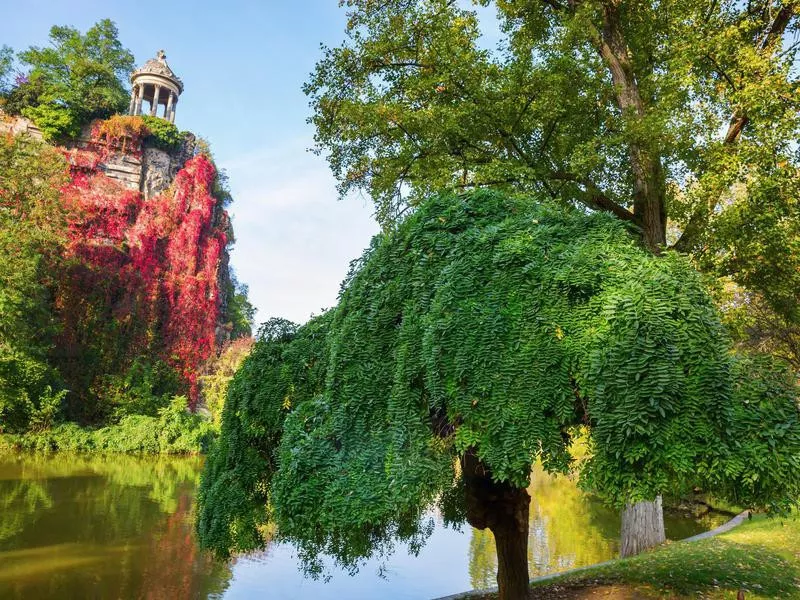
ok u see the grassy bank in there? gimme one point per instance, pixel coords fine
(173, 431)
(760, 557)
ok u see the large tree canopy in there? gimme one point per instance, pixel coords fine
(678, 117)
(486, 329)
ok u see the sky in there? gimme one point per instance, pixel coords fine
(243, 65)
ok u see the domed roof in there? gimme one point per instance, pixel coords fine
(158, 66)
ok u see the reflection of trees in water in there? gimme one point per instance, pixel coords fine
(482, 559)
(567, 530)
(20, 502)
(121, 526)
(178, 569)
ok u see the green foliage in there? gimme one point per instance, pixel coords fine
(44, 416)
(219, 373)
(79, 77)
(32, 230)
(173, 431)
(222, 189)
(411, 101)
(143, 389)
(690, 109)
(756, 327)
(23, 385)
(756, 241)
(163, 134)
(235, 474)
(240, 313)
(54, 120)
(6, 66)
(21, 96)
(496, 325)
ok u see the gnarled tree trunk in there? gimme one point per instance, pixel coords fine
(504, 509)
(642, 527)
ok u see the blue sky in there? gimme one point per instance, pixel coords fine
(243, 65)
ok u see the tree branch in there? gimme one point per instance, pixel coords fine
(595, 198)
(771, 35)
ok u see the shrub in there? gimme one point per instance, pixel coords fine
(214, 385)
(162, 134)
(120, 131)
(173, 431)
(143, 389)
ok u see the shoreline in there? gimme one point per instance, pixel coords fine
(724, 528)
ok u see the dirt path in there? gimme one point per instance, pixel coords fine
(583, 591)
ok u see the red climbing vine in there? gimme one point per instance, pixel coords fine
(142, 276)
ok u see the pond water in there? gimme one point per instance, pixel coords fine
(121, 527)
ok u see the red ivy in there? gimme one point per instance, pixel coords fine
(156, 260)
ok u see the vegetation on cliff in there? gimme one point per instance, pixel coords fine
(33, 231)
(111, 305)
(79, 77)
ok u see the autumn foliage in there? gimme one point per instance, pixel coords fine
(121, 131)
(143, 275)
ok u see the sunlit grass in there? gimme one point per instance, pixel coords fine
(761, 557)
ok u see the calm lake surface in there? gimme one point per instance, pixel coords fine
(121, 527)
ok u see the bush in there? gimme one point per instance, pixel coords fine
(55, 121)
(214, 386)
(163, 134)
(143, 389)
(173, 431)
(26, 398)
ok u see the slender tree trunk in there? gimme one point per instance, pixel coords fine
(642, 527)
(642, 523)
(504, 509)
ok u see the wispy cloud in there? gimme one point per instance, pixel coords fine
(294, 239)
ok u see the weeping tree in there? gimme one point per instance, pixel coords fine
(680, 118)
(475, 339)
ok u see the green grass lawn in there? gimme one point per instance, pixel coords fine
(761, 557)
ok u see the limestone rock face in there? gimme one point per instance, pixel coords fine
(125, 168)
(160, 167)
(158, 171)
(19, 125)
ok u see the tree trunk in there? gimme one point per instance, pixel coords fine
(504, 509)
(649, 201)
(642, 527)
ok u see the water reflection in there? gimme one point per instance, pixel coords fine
(117, 527)
(568, 529)
(120, 527)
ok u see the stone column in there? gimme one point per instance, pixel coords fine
(139, 97)
(132, 105)
(172, 112)
(156, 96)
(168, 109)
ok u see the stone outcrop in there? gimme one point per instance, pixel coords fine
(19, 125)
(148, 170)
(125, 168)
(158, 167)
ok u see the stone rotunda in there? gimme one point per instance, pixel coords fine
(156, 84)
